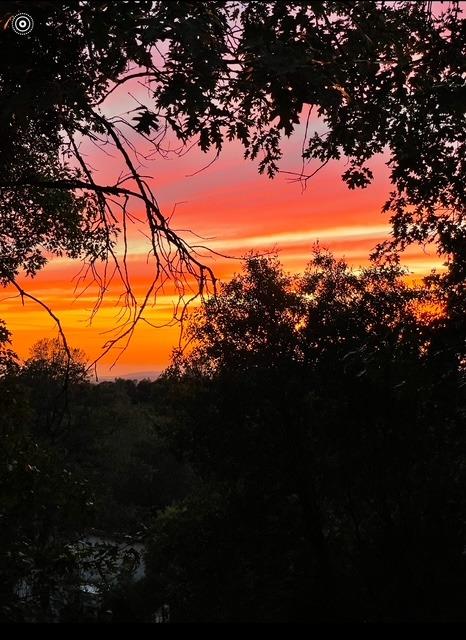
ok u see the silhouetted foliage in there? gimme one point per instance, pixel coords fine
(381, 77)
(81, 468)
(328, 437)
(303, 458)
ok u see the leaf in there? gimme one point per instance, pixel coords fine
(146, 121)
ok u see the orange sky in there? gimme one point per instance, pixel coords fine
(237, 210)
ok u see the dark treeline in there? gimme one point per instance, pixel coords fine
(303, 460)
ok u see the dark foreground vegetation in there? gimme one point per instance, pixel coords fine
(304, 458)
(304, 461)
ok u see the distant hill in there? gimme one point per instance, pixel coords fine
(137, 375)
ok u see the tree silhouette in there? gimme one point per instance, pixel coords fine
(321, 415)
(380, 76)
(8, 359)
(324, 423)
(48, 359)
(51, 374)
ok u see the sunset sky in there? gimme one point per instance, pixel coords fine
(236, 209)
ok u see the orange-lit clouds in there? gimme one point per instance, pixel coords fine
(236, 210)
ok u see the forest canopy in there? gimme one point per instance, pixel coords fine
(382, 77)
(302, 457)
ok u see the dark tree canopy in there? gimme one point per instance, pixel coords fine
(382, 77)
(48, 359)
(303, 459)
(326, 425)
